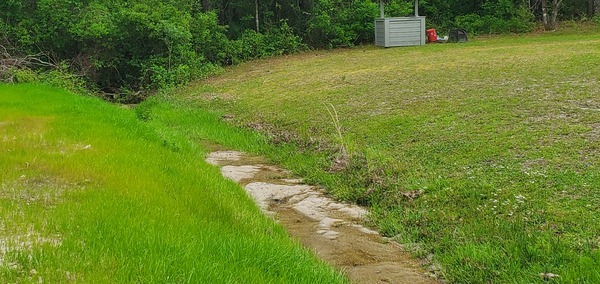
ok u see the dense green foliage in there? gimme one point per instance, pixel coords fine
(132, 44)
(91, 194)
(120, 46)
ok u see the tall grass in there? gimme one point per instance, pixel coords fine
(92, 194)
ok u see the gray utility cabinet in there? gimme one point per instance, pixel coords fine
(401, 31)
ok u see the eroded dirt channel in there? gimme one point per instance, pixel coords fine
(333, 230)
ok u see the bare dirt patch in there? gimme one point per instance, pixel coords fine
(333, 230)
(40, 190)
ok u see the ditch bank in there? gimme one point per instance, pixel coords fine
(333, 230)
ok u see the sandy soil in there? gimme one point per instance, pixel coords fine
(333, 230)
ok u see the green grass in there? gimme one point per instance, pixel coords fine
(89, 193)
(499, 135)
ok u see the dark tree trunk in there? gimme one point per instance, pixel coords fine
(256, 16)
(591, 11)
(550, 20)
(545, 13)
(206, 5)
(555, 7)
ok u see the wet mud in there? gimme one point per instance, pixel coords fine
(333, 230)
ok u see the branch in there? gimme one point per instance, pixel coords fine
(9, 63)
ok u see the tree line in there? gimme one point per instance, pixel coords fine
(120, 45)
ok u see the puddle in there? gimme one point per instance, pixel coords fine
(333, 230)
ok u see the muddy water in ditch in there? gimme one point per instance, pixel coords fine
(331, 229)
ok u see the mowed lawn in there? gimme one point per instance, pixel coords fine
(483, 156)
(91, 194)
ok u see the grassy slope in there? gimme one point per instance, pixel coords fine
(91, 194)
(500, 134)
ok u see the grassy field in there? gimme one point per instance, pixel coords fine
(89, 193)
(484, 156)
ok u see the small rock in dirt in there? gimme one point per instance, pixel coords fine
(369, 232)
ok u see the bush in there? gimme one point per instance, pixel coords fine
(397, 8)
(337, 23)
(24, 76)
(277, 41)
(62, 78)
(501, 17)
(471, 22)
(282, 40)
(18, 75)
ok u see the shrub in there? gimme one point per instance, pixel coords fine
(471, 22)
(277, 41)
(282, 40)
(337, 23)
(501, 17)
(25, 75)
(61, 77)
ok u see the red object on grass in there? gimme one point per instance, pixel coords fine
(431, 35)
